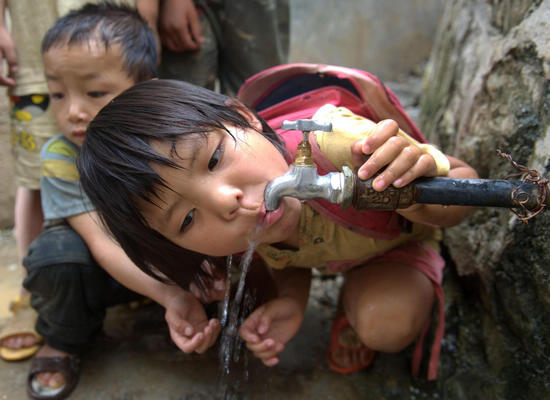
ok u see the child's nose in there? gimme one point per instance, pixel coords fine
(226, 200)
(76, 112)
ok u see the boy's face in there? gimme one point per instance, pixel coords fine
(217, 198)
(81, 80)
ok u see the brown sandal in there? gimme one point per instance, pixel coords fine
(68, 366)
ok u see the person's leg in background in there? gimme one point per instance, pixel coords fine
(199, 67)
(32, 124)
(254, 37)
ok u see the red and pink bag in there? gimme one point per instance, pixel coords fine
(296, 91)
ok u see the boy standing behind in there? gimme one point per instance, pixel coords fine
(90, 56)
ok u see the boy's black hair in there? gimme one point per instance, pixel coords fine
(109, 23)
(116, 165)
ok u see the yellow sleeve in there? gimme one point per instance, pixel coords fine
(348, 127)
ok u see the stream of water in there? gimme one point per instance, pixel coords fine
(233, 371)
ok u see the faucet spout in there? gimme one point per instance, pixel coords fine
(305, 183)
(302, 181)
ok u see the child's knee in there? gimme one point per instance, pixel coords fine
(386, 332)
(56, 260)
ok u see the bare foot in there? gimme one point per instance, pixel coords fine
(53, 380)
(19, 341)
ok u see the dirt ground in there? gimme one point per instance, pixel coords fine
(134, 359)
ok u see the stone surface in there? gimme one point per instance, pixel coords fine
(487, 88)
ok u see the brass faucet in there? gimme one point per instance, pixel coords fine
(302, 180)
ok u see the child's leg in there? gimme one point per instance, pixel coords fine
(28, 225)
(32, 124)
(387, 304)
(70, 293)
(28, 218)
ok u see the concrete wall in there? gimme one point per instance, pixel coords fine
(387, 38)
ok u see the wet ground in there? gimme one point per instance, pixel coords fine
(133, 359)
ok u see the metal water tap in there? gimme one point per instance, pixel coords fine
(530, 196)
(302, 180)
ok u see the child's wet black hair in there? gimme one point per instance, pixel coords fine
(116, 165)
(109, 23)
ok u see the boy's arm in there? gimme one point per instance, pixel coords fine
(189, 326)
(7, 50)
(110, 256)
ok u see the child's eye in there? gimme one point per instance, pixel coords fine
(96, 94)
(215, 159)
(56, 96)
(187, 221)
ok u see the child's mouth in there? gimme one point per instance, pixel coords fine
(270, 217)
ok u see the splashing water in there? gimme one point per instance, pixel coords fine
(233, 315)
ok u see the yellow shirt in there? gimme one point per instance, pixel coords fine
(322, 241)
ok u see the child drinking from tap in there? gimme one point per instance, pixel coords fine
(178, 172)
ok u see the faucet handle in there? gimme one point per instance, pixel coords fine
(307, 125)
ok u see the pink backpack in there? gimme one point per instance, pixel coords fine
(294, 91)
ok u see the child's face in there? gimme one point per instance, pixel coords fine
(81, 80)
(217, 200)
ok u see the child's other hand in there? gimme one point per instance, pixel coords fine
(189, 326)
(403, 160)
(270, 327)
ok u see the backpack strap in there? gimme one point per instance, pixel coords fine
(366, 94)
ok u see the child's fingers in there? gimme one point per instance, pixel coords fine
(382, 132)
(210, 335)
(266, 349)
(358, 158)
(261, 347)
(264, 324)
(204, 344)
(249, 329)
(216, 328)
(403, 162)
(180, 326)
(249, 335)
(270, 353)
(271, 362)
(424, 166)
(383, 156)
(189, 345)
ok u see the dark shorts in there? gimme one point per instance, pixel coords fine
(69, 290)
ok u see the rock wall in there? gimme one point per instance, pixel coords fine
(487, 87)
